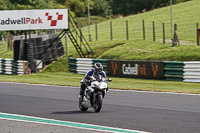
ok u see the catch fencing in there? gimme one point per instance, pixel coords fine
(168, 70)
(13, 67)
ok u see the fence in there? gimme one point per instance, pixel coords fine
(13, 67)
(146, 30)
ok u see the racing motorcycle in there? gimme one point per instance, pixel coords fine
(93, 95)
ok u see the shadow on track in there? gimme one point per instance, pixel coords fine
(72, 112)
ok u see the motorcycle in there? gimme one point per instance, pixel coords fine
(93, 94)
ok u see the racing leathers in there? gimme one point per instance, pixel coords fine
(98, 76)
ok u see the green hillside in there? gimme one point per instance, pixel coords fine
(185, 15)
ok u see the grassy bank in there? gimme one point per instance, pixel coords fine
(141, 50)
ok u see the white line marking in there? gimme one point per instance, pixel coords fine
(65, 123)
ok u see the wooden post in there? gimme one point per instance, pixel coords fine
(176, 38)
(197, 33)
(143, 29)
(127, 37)
(96, 31)
(24, 67)
(111, 35)
(154, 36)
(175, 27)
(163, 33)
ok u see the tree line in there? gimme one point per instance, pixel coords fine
(103, 8)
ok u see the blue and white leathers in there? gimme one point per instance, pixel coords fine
(98, 76)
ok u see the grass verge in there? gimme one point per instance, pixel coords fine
(72, 79)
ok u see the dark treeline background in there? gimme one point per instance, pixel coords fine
(103, 8)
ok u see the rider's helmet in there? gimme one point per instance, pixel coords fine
(98, 67)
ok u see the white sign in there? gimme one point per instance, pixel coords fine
(33, 19)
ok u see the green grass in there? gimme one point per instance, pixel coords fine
(71, 79)
(4, 53)
(141, 50)
(93, 19)
(185, 15)
(61, 65)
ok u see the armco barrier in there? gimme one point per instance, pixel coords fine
(13, 67)
(83, 65)
(72, 64)
(173, 70)
(191, 71)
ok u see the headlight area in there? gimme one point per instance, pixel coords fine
(96, 86)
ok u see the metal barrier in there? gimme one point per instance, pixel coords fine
(173, 70)
(13, 67)
(72, 64)
(192, 71)
(83, 65)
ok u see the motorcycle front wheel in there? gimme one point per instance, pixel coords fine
(98, 103)
(81, 107)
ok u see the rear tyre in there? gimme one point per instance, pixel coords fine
(81, 107)
(98, 103)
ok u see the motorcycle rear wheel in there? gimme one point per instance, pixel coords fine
(98, 103)
(81, 107)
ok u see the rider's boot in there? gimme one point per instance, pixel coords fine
(82, 90)
(107, 89)
(81, 94)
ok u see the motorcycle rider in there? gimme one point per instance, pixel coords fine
(97, 73)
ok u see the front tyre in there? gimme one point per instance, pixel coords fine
(98, 103)
(81, 107)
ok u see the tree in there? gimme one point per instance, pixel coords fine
(6, 5)
(127, 7)
(101, 8)
(78, 7)
(32, 4)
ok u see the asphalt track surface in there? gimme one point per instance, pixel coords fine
(136, 110)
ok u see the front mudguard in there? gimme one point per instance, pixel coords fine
(95, 96)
